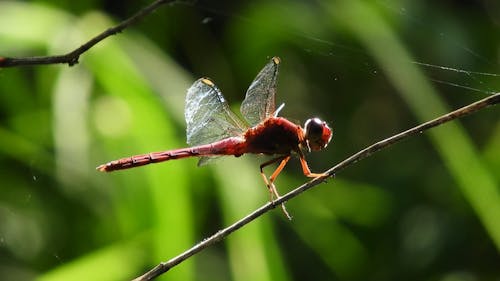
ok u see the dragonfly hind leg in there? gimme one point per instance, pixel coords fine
(270, 182)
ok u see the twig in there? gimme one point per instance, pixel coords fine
(72, 57)
(221, 234)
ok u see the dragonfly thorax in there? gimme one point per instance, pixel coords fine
(317, 134)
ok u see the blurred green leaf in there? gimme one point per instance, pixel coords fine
(452, 143)
(115, 262)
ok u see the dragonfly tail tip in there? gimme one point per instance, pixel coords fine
(101, 168)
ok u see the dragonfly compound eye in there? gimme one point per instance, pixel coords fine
(317, 134)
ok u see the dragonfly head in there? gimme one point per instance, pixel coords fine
(317, 134)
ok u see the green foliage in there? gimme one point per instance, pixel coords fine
(424, 209)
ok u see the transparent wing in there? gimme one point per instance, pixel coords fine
(208, 115)
(259, 101)
(207, 160)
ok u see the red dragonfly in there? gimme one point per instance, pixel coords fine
(213, 130)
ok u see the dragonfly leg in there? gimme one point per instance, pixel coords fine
(305, 168)
(270, 182)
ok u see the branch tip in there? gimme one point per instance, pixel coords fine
(72, 58)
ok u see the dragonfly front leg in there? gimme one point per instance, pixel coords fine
(270, 182)
(305, 168)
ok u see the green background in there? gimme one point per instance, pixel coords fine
(424, 209)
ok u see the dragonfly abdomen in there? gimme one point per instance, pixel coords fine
(229, 146)
(145, 159)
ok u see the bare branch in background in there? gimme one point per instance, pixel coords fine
(72, 57)
(376, 147)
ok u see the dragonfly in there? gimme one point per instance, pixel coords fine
(213, 130)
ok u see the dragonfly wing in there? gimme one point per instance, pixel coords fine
(259, 101)
(208, 115)
(207, 160)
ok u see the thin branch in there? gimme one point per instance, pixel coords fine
(221, 234)
(72, 57)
